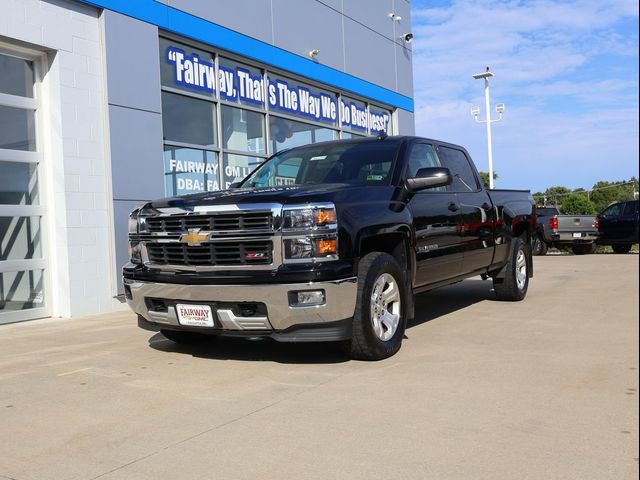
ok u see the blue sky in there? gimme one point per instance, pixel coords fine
(567, 72)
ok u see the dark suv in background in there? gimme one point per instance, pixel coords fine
(618, 226)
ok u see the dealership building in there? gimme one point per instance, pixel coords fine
(106, 104)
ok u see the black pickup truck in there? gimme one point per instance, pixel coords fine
(618, 226)
(327, 242)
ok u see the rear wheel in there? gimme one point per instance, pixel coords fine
(379, 320)
(515, 283)
(185, 338)
(621, 248)
(539, 246)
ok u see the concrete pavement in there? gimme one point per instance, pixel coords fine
(545, 388)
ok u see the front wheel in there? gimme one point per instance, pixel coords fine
(515, 283)
(379, 320)
(621, 248)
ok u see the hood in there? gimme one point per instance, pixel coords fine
(284, 195)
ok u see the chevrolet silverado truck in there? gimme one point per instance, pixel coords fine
(618, 226)
(577, 232)
(326, 242)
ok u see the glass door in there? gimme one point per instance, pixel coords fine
(22, 262)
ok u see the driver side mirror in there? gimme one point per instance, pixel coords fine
(234, 185)
(430, 177)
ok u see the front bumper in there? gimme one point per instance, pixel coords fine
(340, 300)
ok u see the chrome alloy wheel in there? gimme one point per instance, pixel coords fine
(385, 306)
(521, 270)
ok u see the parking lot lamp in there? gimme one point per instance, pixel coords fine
(476, 110)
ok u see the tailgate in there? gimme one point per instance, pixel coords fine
(576, 223)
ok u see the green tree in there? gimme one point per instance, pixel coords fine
(577, 204)
(538, 197)
(605, 193)
(555, 195)
(484, 176)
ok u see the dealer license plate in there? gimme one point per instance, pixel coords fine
(194, 315)
(577, 235)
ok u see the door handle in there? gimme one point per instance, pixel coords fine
(486, 206)
(454, 207)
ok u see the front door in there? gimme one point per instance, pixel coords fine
(436, 217)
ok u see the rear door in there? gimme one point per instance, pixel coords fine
(629, 222)
(611, 226)
(476, 213)
(436, 217)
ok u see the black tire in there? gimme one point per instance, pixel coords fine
(621, 248)
(374, 270)
(539, 247)
(186, 338)
(513, 286)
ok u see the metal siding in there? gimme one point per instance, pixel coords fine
(369, 55)
(136, 154)
(252, 17)
(406, 122)
(372, 14)
(404, 58)
(133, 71)
(335, 4)
(321, 29)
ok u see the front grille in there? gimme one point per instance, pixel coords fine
(211, 222)
(211, 254)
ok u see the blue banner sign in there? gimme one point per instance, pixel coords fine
(238, 83)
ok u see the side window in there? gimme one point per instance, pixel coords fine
(464, 179)
(630, 208)
(613, 210)
(422, 155)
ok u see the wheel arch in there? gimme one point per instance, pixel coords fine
(396, 243)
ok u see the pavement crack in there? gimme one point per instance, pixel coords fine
(217, 427)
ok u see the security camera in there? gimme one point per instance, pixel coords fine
(407, 37)
(475, 111)
(500, 108)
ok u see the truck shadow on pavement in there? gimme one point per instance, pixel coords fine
(446, 300)
(429, 306)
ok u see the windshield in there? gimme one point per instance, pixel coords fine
(546, 212)
(366, 163)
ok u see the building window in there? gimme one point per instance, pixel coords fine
(242, 130)
(188, 120)
(222, 117)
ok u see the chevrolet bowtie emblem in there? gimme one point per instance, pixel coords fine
(194, 237)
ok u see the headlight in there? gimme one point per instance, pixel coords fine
(310, 233)
(309, 217)
(312, 248)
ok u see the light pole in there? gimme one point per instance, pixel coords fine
(476, 110)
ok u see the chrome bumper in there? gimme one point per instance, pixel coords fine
(340, 301)
(569, 238)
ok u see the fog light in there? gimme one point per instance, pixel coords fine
(306, 298)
